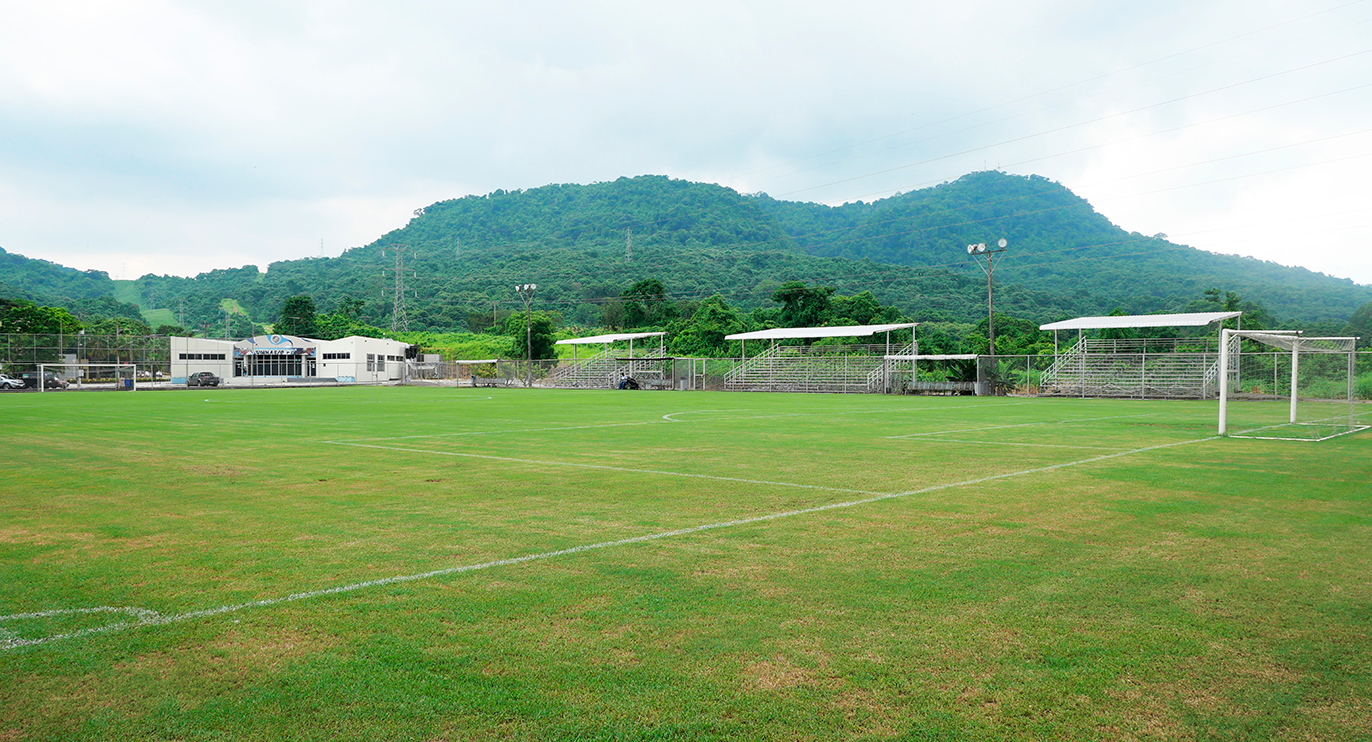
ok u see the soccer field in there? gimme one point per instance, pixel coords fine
(480, 564)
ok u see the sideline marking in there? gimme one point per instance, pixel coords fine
(154, 619)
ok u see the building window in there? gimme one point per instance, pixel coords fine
(371, 361)
(274, 365)
(381, 363)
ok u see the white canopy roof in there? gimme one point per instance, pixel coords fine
(936, 357)
(605, 339)
(1188, 319)
(849, 331)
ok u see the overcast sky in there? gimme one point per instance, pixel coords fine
(176, 138)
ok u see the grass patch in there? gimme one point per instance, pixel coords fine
(1046, 580)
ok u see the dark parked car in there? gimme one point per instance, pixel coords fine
(203, 378)
(50, 380)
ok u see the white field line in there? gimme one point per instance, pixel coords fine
(1022, 425)
(149, 618)
(672, 415)
(1033, 445)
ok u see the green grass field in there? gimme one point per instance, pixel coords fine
(664, 566)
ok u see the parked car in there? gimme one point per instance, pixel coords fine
(203, 378)
(9, 382)
(50, 380)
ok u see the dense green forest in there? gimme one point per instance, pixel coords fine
(585, 245)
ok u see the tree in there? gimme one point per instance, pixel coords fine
(170, 330)
(1360, 324)
(1255, 316)
(541, 327)
(23, 316)
(702, 334)
(645, 303)
(860, 309)
(297, 317)
(118, 326)
(350, 307)
(802, 306)
(612, 314)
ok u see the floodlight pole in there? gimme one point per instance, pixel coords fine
(526, 292)
(981, 249)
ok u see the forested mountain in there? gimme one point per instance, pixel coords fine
(49, 283)
(1058, 243)
(575, 242)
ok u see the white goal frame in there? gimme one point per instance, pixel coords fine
(81, 367)
(1294, 341)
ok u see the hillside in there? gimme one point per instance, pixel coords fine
(1059, 244)
(702, 239)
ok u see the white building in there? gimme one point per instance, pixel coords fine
(271, 359)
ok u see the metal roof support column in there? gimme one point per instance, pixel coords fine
(1081, 363)
(1295, 368)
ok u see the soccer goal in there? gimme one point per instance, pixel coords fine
(1278, 384)
(95, 376)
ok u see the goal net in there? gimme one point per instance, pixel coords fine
(94, 376)
(1281, 385)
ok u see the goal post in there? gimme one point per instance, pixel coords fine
(94, 376)
(1279, 384)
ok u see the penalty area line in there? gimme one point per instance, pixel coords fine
(150, 618)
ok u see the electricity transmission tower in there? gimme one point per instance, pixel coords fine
(628, 245)
(399, 320)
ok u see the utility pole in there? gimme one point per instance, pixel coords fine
(526, 292)
(628, 245)
(227, 316)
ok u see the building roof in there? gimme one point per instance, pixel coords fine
(1188, 319)
(606, 339)
(849, 331)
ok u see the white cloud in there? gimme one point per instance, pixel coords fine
(186, 137)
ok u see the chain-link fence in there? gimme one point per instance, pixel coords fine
(23, 353)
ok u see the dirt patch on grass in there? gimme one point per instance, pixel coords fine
(214, 470)
(1353, 716)
(194, 671)
(870, 716)
(16, 536)
(775, 675)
